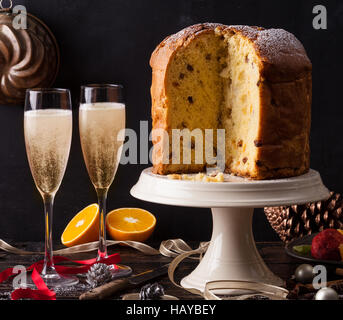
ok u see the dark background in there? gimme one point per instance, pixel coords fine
(111, 41)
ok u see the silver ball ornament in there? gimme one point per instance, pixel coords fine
(304, 273)
(326, 294)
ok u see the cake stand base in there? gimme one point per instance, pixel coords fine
(232, 253)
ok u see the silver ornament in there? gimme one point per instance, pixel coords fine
(151, 292)
(326, 294)
(304, 273)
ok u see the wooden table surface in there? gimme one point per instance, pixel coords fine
(273, 254)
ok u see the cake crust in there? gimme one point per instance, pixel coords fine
(285, 90)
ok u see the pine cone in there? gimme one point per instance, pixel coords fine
(300, 220)
(98, 274)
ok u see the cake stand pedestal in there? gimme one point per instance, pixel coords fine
(232, 253)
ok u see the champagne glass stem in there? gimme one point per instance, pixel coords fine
(102, 197)
(48, 258)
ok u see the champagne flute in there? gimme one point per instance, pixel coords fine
(48, 132)
(102, 124)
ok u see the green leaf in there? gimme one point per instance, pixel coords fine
(303, 249)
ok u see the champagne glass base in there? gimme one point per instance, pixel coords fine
(121, 271)
(53, 281)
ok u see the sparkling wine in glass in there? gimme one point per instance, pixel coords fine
(101, 122)
(48, 132)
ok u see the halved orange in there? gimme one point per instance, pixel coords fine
(130, 224)
(83, 228)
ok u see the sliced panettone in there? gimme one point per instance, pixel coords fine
(254, 83)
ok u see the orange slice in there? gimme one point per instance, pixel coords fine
(130, 224)
(83, 228)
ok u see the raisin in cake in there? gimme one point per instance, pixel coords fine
(255, 83)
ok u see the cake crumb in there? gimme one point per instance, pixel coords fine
(174, 176)
(202, 177)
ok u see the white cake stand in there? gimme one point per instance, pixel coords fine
(232, 254)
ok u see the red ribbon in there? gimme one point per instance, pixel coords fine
(43, 292)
